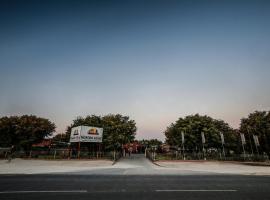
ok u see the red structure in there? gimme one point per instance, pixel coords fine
(134, 147)
(43, 143)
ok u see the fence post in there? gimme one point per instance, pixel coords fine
(145, 152)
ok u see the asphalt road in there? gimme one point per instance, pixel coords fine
(217, 187)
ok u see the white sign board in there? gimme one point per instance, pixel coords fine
(86, 134)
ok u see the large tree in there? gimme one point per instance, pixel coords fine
(151, 142)
(23, 131)
(257, 123)
(118, 129)
(192, 126)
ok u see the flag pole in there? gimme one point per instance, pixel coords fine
(243, 140)
(256, 142)
(203, 141)
(183, 144)
(222, 142)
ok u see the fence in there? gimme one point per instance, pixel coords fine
(175, 155)
(60, 154)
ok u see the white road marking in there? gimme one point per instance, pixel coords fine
(43, 191)
(196, 190)
(85, 191)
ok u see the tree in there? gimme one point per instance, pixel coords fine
(257, 123)
(192, 126)
(24, 131)
(117, 129)
(61, 138)
(151, 142)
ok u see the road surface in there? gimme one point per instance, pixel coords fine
(69, 187)
(134, 178)
(136, 164)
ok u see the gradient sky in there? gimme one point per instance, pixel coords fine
(155, 61)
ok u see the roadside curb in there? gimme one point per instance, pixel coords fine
(157, 164)
(257, 164)
(221, 162)
(154, 162)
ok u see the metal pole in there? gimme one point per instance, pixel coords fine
(154, 153)
(223, 150)
(255, 138)
(145, 151)
(257, 150)
(222, 143)
(204, 153)
(183, 144)
(250, 141)
(54, 155)
(184, 152)
(79, 149)
(244, 151)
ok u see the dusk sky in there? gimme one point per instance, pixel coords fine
(154, 61)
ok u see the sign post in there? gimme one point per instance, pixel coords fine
(203, 142)
(85, 134)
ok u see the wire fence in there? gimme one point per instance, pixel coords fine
(175, 155)
(53, 154)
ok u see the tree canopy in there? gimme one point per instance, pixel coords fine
(150, 142)
(23, 131)
(257, 123)
(193, 125)
(117, 129)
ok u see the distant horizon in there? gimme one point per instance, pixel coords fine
(154, 61)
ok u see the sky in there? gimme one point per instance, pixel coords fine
(154, 61)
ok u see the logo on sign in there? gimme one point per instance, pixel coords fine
(76, 132)
(93, 131)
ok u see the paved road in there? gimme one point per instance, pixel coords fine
(65, 187)
(137, 164)
(134, 178)
(133, 165)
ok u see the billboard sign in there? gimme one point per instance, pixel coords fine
(86, 134)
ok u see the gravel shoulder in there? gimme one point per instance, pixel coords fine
(133, 165)
(25, 166)
(216, 167)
